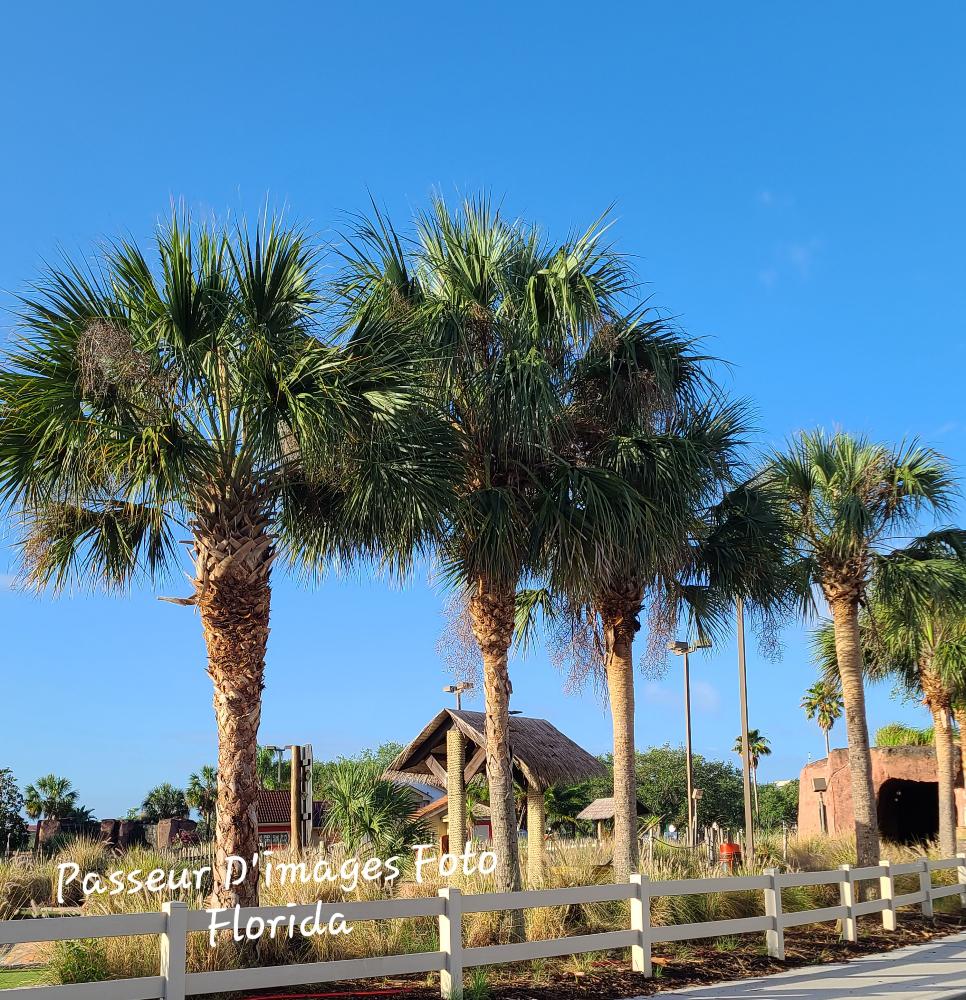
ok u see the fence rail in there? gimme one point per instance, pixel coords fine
(176, 921)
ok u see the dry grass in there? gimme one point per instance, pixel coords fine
(582, 863)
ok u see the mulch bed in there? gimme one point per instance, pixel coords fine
(693, 963)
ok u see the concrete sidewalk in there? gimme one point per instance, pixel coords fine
(935, 971)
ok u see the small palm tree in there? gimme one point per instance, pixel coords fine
(195, 396)
(368, 813)
(50, 797)
(846, 499)
(164, 802)
(202, 795)
(758, 747)
(823, 701)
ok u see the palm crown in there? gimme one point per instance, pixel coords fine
(197, 394)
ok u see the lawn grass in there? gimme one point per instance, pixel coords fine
(20, 977)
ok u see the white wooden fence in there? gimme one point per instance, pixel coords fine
(176, 921)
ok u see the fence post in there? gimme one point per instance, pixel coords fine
(961, 876)
(887, 893)
(775, 939)
(925, 886)
(850, 926)
(451, 944)
(641, 923)
(174, 949)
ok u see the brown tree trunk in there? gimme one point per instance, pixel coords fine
(938, 700)
(848, 651)
(959, 713)
(619, 619)
(492, 615)
(233, 556)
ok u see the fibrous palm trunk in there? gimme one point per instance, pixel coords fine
(848, 651)
(536, 832)
(938, 699)
(233, 558)
(619, 620)
(959, 713)
(456, 789)
(492, 609)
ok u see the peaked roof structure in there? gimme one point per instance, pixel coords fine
(542, 755)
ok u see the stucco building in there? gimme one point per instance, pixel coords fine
(906, 790)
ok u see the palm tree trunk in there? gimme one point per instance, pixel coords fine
(754, 786)
(536, 832)
(619, 619)
(959, 713)
(848, 650)
(491, 611)
(938, 699)
(828, 745)
(233, 557)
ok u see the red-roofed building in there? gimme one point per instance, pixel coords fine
(275, 817)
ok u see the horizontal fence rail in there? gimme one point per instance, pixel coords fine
(175, 921)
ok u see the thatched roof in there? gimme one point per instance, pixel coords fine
(598, 809)
(542, 755)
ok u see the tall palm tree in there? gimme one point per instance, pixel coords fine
(758, 746)
(823, 701)
(921, 641)
(195, 395)
(505, 312)
(202, 795)
(50, 797)
(847, 498)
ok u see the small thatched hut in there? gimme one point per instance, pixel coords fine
(451, 750)
(599, 811)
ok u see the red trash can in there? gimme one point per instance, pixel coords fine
(730, 856)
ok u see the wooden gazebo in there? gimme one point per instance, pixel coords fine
(451, 750)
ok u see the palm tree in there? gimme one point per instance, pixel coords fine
(195, 395)
(202, 795)
(758, 746)
(846, 499)
(921, 640)
(164, 802)
(504, 312)
(823, 701)
(369, 813)
(50, 797)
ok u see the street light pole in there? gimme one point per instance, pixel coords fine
(745, 749)
(687, 747)
(683, 648)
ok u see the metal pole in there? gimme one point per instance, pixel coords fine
(745, 754)
(687, 750)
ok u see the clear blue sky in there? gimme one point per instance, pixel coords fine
(790, 179)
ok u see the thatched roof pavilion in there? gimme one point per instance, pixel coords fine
(542, 755)
(598, 809)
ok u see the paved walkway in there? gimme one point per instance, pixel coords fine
(935, 971)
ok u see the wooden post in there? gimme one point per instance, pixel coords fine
(641, 923)
(174, 947)
(536, 831)
(774, 938)
(850, 926)
(456, 790)
(451, 944)
(925, 886)
(887, 892)
(961, 875)
(295, 795)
